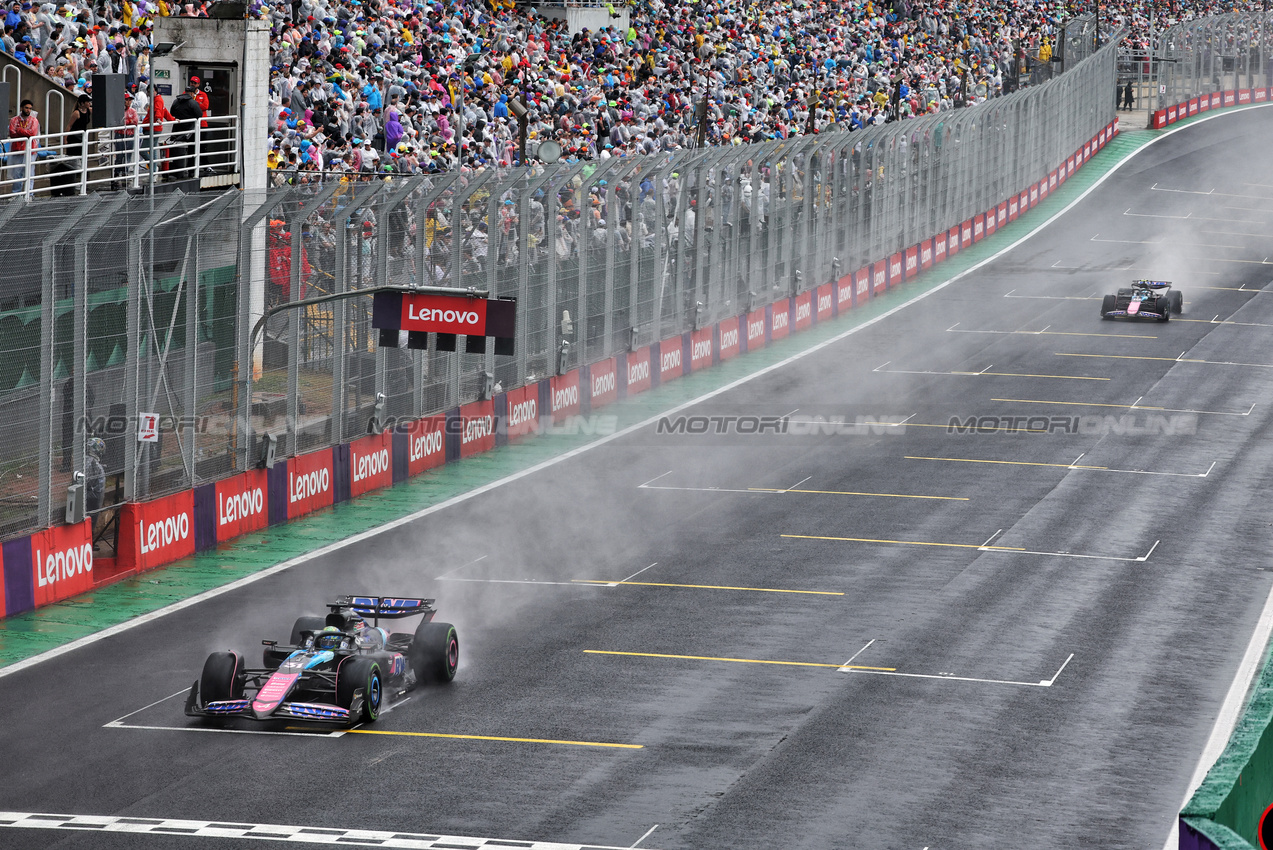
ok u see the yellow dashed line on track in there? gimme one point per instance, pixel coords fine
(707, 587)
(1005, 462)
(735, 660)
(903, 542)
(497, 738)
(852, 493)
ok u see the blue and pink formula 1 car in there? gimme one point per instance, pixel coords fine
(1144, 299)
(335, 669)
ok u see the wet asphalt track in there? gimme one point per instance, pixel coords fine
(983, 596)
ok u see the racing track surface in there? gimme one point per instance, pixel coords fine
(1037, 557)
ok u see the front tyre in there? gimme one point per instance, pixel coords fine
(222, 678)
(364, 673)
(435, 652)
(1107, 304)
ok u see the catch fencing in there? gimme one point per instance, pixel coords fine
(1213, 54)
(155, 298)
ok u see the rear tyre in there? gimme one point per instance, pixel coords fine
(222, 678)
(1177, 302)
(1107, 304)
(361, 673)
(435, 652)
(305, 624)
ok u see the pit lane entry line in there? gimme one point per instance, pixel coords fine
(269, 832)
(1011, 550)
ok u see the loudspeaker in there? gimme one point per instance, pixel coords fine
(108, 100)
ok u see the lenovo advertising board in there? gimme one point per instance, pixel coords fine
(476, 423)
(62, 562)
(155, 533)
(241, 504)
(730, 342)
(603, 383)
(370, 463)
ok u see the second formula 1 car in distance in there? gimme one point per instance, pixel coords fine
(334, 669)
(1144, 299)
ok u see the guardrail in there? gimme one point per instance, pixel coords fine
(102, 159)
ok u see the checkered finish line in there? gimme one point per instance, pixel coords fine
(271, 832)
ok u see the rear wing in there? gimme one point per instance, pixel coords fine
(383, 607)
(1152, 284)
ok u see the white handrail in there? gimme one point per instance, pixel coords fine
(105, 158)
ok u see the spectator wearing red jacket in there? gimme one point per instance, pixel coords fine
(23, 129)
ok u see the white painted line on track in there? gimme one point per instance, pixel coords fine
(648, 833)
(119, 720)
(460, 567)
(189, 602)
(946, 677)
(271, 832)
(845, 668)
(634, 575)
(515, 581)
(217, 730)
(1230, 710)
(656, 478)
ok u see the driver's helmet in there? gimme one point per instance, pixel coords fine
(330, 638)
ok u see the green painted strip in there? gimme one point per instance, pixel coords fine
(33, 632)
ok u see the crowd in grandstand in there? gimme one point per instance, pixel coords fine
(418, 85)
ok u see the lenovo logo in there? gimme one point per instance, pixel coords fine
(240, 506)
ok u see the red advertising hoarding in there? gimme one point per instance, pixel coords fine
(879, 279)
(62, 561)
(564, 396)
(370, 463)
(756, 329)
(953, 241)
(477, 426)
(521, 412)
(780, 318)
(965, 234)
(939, 247)
(445, 314)
(992, 219)
(826, 302)
(603, 383)
(242, 504)
(730, 346)
(912, 262)
(671, 359)
(638, 371)
(803, 310)
(310, 482)
(895, 270)
(426, 442)
(926, 254)
(978, 227)
(861, 286)
(152, 534)
(700, 349)
(1013, 206)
